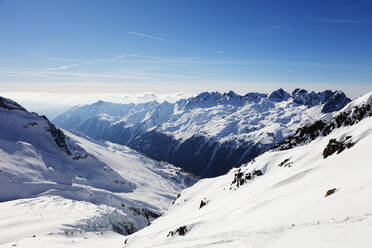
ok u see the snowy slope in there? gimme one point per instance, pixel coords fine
(317, 194)
(52, 180)
(207, 134)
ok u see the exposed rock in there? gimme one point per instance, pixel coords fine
(285, 163)
(330, 192)
(241, 178)
(254, 96)
(335, 102)
(257, 173)
(178, 196)
(58, 136)
(308, 133)
(203, 203)
(79, 156)
(300, 96)
(149, 215)
(303, 135)
(336, 146)
(10, 105)
(181, 231)
(279, 95)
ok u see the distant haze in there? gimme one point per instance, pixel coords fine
(53, 103)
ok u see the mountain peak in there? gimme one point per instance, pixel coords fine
(9, 104)
(230, 93)
(99, 102)
(336, 101)
(279, 95)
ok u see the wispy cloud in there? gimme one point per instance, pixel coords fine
(170, 41)
(122, 75)
(155, 38)
(346, 21)
(220, 52)
(271, 29)
(61, 68)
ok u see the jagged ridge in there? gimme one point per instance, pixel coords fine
(208, 133)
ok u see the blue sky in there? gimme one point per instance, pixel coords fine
(168, 46)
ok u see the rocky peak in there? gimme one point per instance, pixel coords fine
(9, 104)
(254, 96)
(231, 98)
(336, 101)
(300, 96)
(57, 134)
(333, 101)
(279, 95)
(204, 99)
(231, 94)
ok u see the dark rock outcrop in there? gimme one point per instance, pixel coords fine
(335, 101)
(337, 146)
(279, 95)
(285, 163)
(330, 192)
(58, 136)
(181, 231)
(10, 105)
(203, 203)
(240, 178)
(332, 100)
(149, 215)
(308, 133)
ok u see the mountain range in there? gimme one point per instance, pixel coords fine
(311, 190)
(207, 134)
(62, 182)
(308, 185)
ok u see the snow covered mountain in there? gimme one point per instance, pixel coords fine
(207, 134)
(312, 190)
(54, 182)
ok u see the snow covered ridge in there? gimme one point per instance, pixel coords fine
(9, 104)
(350, 115)
(75, 184)
(58, 136)
(207, 134)
(318, 194)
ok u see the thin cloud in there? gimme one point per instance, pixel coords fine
(346, 21)
(220, 52)
(61, 68)
(271, 29)
(117, 76)
(155, 38)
